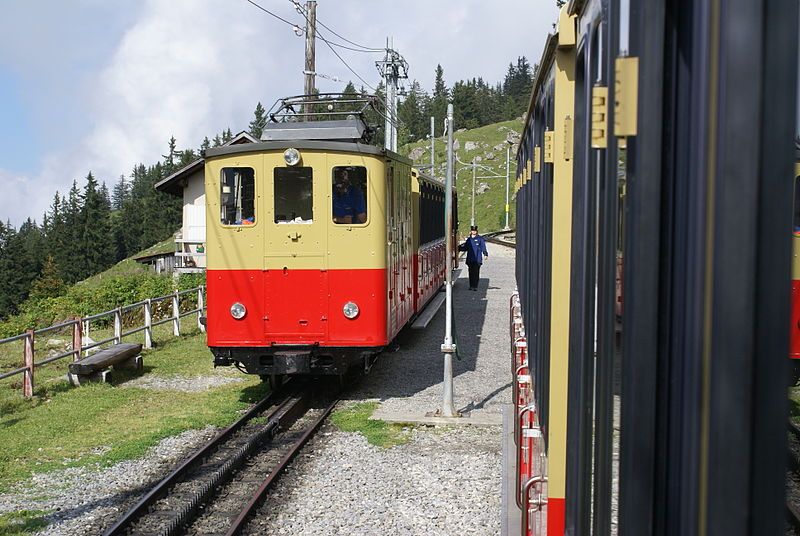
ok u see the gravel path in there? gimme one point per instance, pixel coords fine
(445, 480)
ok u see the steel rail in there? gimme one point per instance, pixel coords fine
(258, 497)
(141, 508)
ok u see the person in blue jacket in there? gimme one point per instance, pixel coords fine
(348, 201)
(475, 246)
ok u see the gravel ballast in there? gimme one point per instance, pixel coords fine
(445, 480)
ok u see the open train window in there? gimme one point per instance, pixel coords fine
(796, 224)
(349, 203)
(294, 195)
(237, 196)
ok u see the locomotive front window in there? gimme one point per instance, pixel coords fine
(237, 196)
(294, 189)
(349, 189)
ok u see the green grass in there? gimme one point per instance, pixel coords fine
(62, 426)
(356, 418)
(130, 266)
(489, 206)
(22, 522)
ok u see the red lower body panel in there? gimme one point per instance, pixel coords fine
(291, 307)
(556, 519)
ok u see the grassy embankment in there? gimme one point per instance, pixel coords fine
(490, 205)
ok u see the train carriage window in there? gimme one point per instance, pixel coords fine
(796, 225)
(237, 196)
(349, 203)
(294, 195)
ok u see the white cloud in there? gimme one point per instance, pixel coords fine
(190, 68)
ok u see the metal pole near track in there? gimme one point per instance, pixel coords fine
(508, 158)
(433, 137)
(449, 347)
(472, 216)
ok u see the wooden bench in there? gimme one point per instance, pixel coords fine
(94, 368)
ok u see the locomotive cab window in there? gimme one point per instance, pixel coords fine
(294, 195)
(237, 196)
(349, 205)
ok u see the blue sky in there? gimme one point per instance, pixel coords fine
(102, 85)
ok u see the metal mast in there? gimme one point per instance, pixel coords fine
(392, 68)
(449, 347)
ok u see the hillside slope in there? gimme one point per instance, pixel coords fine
(487, 145)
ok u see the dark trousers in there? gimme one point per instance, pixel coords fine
(474, 274)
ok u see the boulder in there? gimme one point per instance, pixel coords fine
(490, 156)
(471, 146)
(417, 153)
(456, 145)
(482, 188)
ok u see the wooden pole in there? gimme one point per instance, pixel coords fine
(77, 339)
(310, 70)
(118, 325)
(148, 324)
(176, 319)
(200, 305)
(27, 380)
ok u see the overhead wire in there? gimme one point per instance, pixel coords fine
(265, 10)
(393, 119)
(301, 10)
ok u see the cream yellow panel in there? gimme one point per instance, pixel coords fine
(234, 247)
(357, 246)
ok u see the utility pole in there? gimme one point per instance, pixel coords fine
(472, 217)
(433, 135)
(449, 347)
(508, 158)
(310, 70)
(392, 68)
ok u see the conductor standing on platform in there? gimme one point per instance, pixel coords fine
(475, 246)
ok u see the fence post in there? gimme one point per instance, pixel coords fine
(27, 379)
(176, 319)
(200, 305)
(86, 324)
(148, 324)
(118, 325)
(77, 339)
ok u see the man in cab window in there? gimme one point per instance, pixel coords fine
(348, 201)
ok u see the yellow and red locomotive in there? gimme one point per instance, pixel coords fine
(320, 246)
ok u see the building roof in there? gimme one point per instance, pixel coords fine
(175, 183)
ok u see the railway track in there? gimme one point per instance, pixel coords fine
(793, 480)
(502, 238)
(217, 489)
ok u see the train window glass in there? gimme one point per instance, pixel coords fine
(796, 227)
(349, 196)
(294, 195)
(237, 196)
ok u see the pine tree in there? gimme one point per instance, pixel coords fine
(350, 89)
(206, 144)
(13, 286)
(120, 194)
(441, 95)
(74, 267)
(49, 283)
(258, 122)
(96, 243)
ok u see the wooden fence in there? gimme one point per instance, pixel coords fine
(80, 330)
